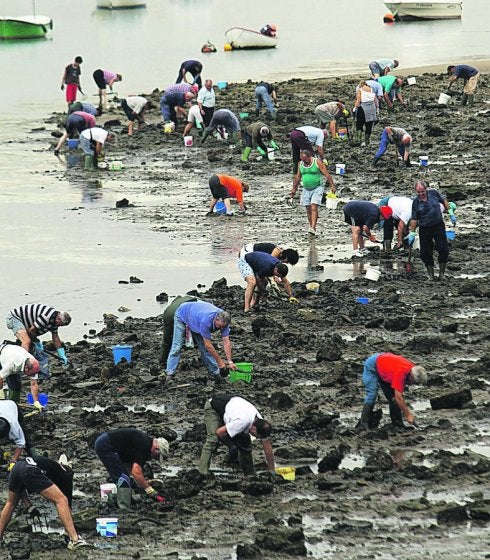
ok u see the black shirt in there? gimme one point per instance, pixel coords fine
(132, 445)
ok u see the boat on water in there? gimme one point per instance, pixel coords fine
(120, 4)
(435, 9)
(25, 27)
(242, 38)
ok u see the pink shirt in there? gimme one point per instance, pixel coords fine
(109, 76)
(89, 119)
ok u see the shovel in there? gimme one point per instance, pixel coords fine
(408, 266)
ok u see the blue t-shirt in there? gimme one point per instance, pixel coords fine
(262, 264)
(464, 71)
(428, 212)
(364, 212)
(199, 316)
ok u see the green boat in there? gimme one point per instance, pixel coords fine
(25, 27)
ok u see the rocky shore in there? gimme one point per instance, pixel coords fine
(383, 494)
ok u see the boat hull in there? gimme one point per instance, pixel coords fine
(25, 27)
(426, 10)
(120, 4)
(242, 38)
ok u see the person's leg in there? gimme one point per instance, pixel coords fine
(383, 145)
(55, 495)
(213, 422)
(209, 362)
(357, 238)
(314, 215)
(427, 249)
(249, 291)
(243, 443)
(110, 458)
(375, 69)
(442, 247)
(333, 128)
(19, 331)
(178, 340)
(395, 411)
(370, 381)
(7, 511)
(14, 383)
(268, 102)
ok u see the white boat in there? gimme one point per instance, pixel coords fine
(120, 4)
(436, 9)
(242, 38)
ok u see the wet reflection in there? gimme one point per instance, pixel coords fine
(358, 268)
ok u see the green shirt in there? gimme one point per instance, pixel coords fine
(311, 175)
(387, 83)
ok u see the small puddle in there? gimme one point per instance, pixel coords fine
(159, 408)
(420, 405)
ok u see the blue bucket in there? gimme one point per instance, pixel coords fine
(363, 300)
(220, 208)
(73, 143)
(222, 85)
(450, 234)
(121, 351)
(43, 399)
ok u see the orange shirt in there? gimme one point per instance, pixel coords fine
(394, 369)
(233, 186)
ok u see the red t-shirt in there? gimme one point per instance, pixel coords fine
(394, 369)
(233, 186)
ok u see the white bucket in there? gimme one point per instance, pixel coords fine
(340, 168)
(332, 203)
(411, 81)
(443, 99)
(270, 153)
(313, 287)
(416, 243)
(424, 161)
(106, 526)
(373, 273)
(106, 490)
(188, 141)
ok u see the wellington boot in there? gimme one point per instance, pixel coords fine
(471, 99)
(357, 137)
(246, 462)
(257, 112)
(363, 424)
(124, 498)
(464, 99)
(396, 415)
(430, 272)
(442, 270)
(14, 395)
(206, 133)
(246, 154)
(367, 139)
(235, 137)
(89, 163)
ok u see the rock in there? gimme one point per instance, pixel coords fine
(281, 401)
(135, 280)
(328, 353)
(123, 203)
(283, 541)
(399, 323)
(123, 309)
(380, 461)
(352, 526)
(332, 459)
(453, 514)
(456, 399)
(257, 488)
(248, 552)
(162, 297)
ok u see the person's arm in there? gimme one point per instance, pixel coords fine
(399, 96)
(137, 474)
(296, 182)
(228, 352)
(56, 339)
(63, 79)
(111, 83)
(287, 287)
(35, 390)
(324, 171)
(400, 401)
(223, 436)
(269, 455)
(452, 79)
(386, 96)
(358, 100)
(400, 231)
(211, 349)
(321, 153)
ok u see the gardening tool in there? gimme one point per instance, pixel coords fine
(408, 266)
(375, 241)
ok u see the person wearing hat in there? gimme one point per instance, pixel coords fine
(192, 67)
(306, 138)
(48, 478)
(402, 141)
(331, 112)
(265, 93)
(393, 373)
(15, 361)
(310, 173)
(225, 187)
(231, 420)
(30, 321)
(257, 135)
(469, 75)
(382, 67)
(224, 120)
(134, 107)
(362, 216)
(71, 79)
(123, 453)
(104, 78)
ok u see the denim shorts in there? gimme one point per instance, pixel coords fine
(245, 269)
(313, 196)
(14, 324)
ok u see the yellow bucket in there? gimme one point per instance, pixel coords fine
(288, 473)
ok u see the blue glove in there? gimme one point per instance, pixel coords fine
(453, 219)
(38, 346)
(62, 356)
(411, 237)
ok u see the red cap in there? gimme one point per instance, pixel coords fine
(386, 212)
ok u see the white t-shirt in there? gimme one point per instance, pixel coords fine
(315, 135)
(12, 360)
(8, 410)
(402, 207)
(239, 416)
(96, 133)
(136, 103)
(206, 97)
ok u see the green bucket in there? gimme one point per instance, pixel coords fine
(244, 367)
(244, 115)
(240, 376)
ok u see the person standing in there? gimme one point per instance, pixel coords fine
(30, 321)
(402, 141)
(382, 67)
(469, 75)
(427, 215)
(15, 361)
(265, 93)
(194, 68)
(104, 78)
(225, 121)
(225, 187)
(366, 111)
(362, 216)
(393, 373)
(231, 420)
(310, 172)
(168, 326)
(134, 108)
(201, 319)
(123, 453)
(257, 135)
(331, 112)
(306, 138)
(206, 100)
(71, 80)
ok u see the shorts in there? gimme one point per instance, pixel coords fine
(71, 93)
(14, 324)
(217, 189)
(245, 269)
(26, 475)
(194, 115)
(99, 78)
(312, 196)
(323, 115)
(471, 85)
(353, 221)
(248, 248)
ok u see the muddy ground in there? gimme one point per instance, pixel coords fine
(382, 494)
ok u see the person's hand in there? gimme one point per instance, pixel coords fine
(410, 418)
(38, 406)
(210, 213)
(292, 299)
(373, 239)
(62, 87)
(231, 365)
(62, 356)
(411, 237)
(453, 219)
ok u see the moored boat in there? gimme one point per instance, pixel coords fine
(25, 27)
(435, 9)
(242, 38)
(120, 4)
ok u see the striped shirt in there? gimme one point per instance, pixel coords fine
(178, 88)
(37, 315)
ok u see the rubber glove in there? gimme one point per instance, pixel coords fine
(452, 207)
(62, 355)
(11, 466)
(453, 219)
(154, 495)
(293, 300)
(2, 395)
(38, 346)
(261, 151)
(62, 87)
(411, 237)
(38, 406)
(274, 145)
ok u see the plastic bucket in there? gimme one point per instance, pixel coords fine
(363, 300)
(342, 133)
(288, 473)
(411, 81)
(121, 351)
(244, 115)
(188, 141)
(313, 287)
(73, 143)
(106, 490)
(222, 85)
(424, 161)
(239, 376)
(332, 203)
(220, 208)
(450, 234)
(270, 153)
(43, 399)
(340, 168)
(416, 243)
(115, 166)
(106, 526)
(168, 127)
(443, 99)
(244, 367)
(373, 274)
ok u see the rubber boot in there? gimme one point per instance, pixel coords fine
(375, 161)
(205, 461)
(430, 272)
(235, 138)
(363, 424)
(274, 114)
(246, 154)
(408, 163)
(396, 416)
(464, 99)
(442, 270)
(124, 498)
(257, 112)
(357, 137)
(205, 134)
(246, 462)
(14, 395)
(89, 163)
(367, 139)
(471, 99)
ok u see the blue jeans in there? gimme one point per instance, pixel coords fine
(370, 379)
(263, 96)
(110, 458)
(383, 144)
(177, 345)
(14, 324)
(86, 146)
